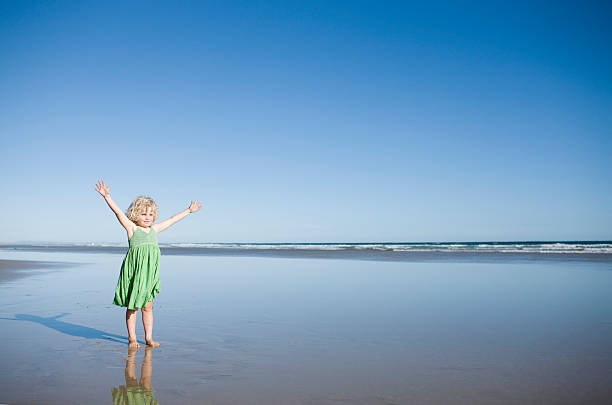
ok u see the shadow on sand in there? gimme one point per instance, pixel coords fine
(68, 328)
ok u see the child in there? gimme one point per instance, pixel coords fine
(139, 278)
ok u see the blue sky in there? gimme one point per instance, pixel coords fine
(308, 121)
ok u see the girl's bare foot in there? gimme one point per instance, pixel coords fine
(133, 344)
(152, 343)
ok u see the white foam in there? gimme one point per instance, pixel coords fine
(555, 247)
(483, 247)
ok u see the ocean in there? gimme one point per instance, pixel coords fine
(381, 251)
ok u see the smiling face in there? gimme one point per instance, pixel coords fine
(142, 211)
(146, 218)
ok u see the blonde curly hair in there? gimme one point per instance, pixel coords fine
(139, 205)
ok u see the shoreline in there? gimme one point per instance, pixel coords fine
(348, 254)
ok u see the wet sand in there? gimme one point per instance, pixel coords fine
(243, 330)
(14, 269)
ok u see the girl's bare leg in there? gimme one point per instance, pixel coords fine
(130, 321)
(130, 369)
(147, 322)
(147, 369)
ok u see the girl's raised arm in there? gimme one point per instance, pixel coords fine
(103, 189)
(193, 207)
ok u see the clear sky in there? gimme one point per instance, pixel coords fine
(308, 121)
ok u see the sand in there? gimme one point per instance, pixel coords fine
(242, 330)
(14, 269)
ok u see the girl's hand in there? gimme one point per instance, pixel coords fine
(195, 206)
(102, 188)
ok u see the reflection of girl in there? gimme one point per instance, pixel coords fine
(136, 392)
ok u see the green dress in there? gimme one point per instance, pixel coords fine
(139, 278)
(133, 396)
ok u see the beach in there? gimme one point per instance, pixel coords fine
(14, 269)
(272, 329)
(339, 202)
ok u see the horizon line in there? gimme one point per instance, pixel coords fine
(20, 243)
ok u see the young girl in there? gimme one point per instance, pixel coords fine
(139, 278)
